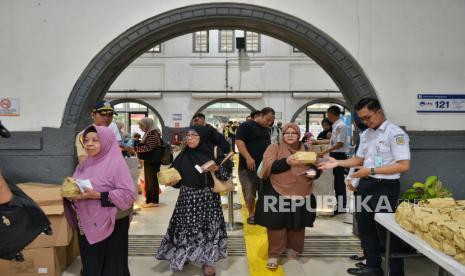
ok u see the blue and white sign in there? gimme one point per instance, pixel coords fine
(441, 103)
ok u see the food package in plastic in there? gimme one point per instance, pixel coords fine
(423, 223)
(402, 211)
(458, 214)
(418, 233)
(459, 239)
(449, 228)
(460, 257)
(70, 188)
(306, 156)
(428, 237)
(438, 202)
(169, 176)
(449, 248)
(437, 244)
(435, 230)
(407, 226)
(420, 212)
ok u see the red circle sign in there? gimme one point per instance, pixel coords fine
(5, 103)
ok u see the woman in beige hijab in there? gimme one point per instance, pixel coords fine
(286, 204)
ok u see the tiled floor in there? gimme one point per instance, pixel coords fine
(154, 221)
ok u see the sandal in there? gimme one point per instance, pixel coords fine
(272, 263)
(251, 220)
(208, 270)
(357, 257)
(291, 254)
(148, 205)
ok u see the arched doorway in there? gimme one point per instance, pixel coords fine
(220, 112)
(310, 115)
(118, 54)
(126, 110)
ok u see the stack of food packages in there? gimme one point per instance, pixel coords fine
(439, 221)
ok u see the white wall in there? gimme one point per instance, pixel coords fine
(275, 68)
(182, 103)
(405, 47)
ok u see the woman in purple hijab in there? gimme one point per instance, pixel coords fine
(102, 213)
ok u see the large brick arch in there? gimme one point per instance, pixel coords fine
(119, 53)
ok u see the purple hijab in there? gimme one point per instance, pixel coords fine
(108, 172)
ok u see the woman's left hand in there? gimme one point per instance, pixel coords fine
(87, 194)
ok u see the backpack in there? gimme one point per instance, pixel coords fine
(167, 156)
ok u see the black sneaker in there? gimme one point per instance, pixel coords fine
(365, 271)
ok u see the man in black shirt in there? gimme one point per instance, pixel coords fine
(215, 138)
(252, 139)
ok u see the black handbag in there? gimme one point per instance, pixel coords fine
(21, 221)
(161, 154)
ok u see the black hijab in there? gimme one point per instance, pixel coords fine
(189, 157)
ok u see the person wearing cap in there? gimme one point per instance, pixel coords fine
(102, 115)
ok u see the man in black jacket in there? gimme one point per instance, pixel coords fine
(215, 138)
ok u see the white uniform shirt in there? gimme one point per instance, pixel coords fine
(384, 146)
(115, 130)
(339, 134)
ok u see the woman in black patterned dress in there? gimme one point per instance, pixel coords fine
(197, 230)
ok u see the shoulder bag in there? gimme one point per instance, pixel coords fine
(222, 186)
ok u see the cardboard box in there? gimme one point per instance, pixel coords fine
(40, 261)
(48, 197)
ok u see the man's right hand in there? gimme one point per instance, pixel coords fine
(330, 164)
(251, 164)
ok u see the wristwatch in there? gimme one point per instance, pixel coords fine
(372, 171)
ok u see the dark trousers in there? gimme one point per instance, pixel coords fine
(371, 233)
(152, 188)
(339, 184)
(108, 257)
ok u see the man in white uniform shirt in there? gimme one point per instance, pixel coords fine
(383, 154)
(338, 149)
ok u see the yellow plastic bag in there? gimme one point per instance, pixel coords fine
(70, 188)
(460, 257)
(169, 177)
(306, 156)
(424, 223)
(438, 202)
(449, 228)
(449, 248)
(459, 239)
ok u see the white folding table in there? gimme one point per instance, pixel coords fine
(445, 262)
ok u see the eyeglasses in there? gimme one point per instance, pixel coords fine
(291, 134)
(367, 118)
(192, 136)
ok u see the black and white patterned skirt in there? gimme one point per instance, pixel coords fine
(197, 230)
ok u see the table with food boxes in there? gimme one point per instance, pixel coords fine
(46, 255)
(434, 227)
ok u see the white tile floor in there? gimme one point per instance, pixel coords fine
(154, 221)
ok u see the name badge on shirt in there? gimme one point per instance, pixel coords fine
(378, 161)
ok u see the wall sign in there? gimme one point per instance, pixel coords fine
(9, 107)
(177, 117)
(441, 103)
